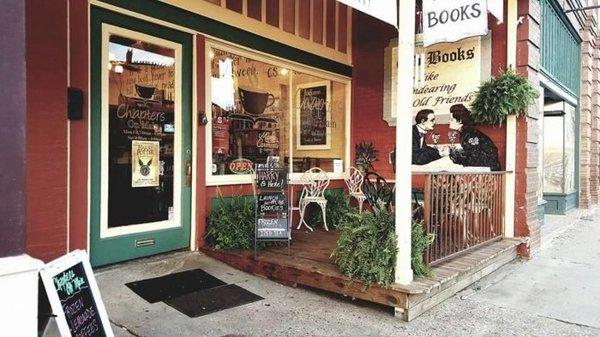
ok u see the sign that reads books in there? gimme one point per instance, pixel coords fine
(144, 163)
(450, 21)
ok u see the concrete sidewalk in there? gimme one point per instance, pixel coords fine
(555, 294)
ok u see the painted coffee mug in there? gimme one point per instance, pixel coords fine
(255, 100)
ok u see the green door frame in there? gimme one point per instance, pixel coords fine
(119, 248)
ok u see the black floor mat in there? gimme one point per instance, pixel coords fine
(174, 285)
(203, 302)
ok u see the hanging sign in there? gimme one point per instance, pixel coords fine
(74, 296)
(384, 10)
(144, 163)
(313, 116)
(450, 21)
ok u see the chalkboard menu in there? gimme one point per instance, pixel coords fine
(75, 298)
(313, 116)
(272, 216)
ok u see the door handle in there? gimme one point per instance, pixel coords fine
(188, 173)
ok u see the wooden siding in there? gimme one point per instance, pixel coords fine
(324, 22)
(561, 47)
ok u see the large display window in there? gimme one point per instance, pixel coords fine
(265, 110)
(559, 149)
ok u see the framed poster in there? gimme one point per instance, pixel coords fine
(313, 116)
(74, 296)
(144, 163)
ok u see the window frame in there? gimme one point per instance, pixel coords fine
(237, 179)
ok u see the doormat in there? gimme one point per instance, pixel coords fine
(174, 285)
(204, 302)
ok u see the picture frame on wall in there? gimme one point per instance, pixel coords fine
(313, 115)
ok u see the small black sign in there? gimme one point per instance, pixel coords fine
(313, 116)
(272, 203)
(267, 178)
(74, 296)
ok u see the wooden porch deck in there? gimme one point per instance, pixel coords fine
(309, 265)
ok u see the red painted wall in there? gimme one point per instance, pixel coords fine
(46, 58)
(367, 101)
(78, 233)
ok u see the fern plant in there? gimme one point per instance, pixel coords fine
(231, 224)
(506, 94)
(366, 249)
(338, 207)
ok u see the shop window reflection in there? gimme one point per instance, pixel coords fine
(256, 107)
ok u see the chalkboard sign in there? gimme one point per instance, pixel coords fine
(269, 178)
(272, 203)
(74, 297)
(272, 228)
(313, 116)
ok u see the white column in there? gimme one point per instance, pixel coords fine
(511, 125)
(406, 51)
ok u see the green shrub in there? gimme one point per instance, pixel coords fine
(419, 242)
(338, 207)
(506, 94)
(231, 223)
(366, 249)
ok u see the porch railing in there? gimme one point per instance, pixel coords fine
(463, 211)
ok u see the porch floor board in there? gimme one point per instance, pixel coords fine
(309, 264)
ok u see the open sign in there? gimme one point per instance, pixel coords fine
(241, 166)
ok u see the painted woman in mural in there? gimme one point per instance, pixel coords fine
(477, 149)
(421, 152)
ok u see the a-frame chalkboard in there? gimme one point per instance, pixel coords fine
(74, 296)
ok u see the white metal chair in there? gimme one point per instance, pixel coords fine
(354, 181)
(315, 183)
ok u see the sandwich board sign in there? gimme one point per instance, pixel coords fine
(74, 296)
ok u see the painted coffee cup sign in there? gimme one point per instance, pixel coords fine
(450, 21)
(144, 163)
(313, 116)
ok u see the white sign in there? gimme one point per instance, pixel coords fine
(450, 21)
(384, 10)
(74, 296)
(453, 73)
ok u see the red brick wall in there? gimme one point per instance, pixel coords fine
(78, 37)
(46, 58)
(526, 183)
(368, 125)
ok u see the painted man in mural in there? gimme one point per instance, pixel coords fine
(477, 148)
(421, 152)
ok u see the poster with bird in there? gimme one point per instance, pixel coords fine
(144, 163)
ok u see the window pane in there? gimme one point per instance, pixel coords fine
(569, 149)
(250, 110)
(553, 154)
(141, 132)
(319, 123)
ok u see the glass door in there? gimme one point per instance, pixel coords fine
(141, 148)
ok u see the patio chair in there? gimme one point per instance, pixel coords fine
(377, 189)
(354, 181)
(315, 182)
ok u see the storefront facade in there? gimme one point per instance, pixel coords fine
(181, 98)
(179, 103)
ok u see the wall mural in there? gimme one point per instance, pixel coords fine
(444, 137)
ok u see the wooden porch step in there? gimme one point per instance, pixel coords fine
(310, 265)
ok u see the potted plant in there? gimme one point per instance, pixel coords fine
(365, 155)
(508, 93)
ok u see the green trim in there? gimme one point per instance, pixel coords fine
(120, 248)
(172, 14)
(560, 203)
